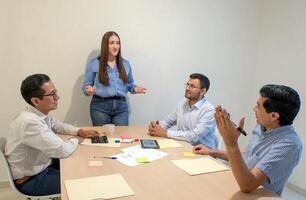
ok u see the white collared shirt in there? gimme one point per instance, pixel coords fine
(32, 142)
(195, 124)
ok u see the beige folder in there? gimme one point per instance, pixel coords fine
(99, 187)
(200, 165)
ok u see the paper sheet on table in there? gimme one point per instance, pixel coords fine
(200, 165)
(132, 153)
(168, 143)
(111, 143)
(137, 151)
(126, 159)
(99, 187)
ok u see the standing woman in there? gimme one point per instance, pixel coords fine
(108, 79)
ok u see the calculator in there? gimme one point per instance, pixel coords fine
(99, 139)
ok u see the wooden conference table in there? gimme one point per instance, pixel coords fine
(160, 179)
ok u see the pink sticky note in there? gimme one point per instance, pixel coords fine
(125, 136)
(95, 163)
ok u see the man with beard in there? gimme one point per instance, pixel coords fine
(194, 116)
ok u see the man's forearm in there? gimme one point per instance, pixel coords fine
(218, 154)
(244, 177)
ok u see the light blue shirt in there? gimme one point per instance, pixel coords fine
(116, 86)
(195, 124)
(276, 153)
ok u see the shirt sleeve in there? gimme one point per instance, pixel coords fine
(130, 84)
(36, 134)
(171, 119)
(280, 161)
(89, 75)
(63, 128)
(205, 125)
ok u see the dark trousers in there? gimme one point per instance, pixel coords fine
(45, 183)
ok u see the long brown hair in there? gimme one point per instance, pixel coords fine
(103, 76)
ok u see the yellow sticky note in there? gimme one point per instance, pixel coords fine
(142, 160)
(163, 146)
(189, 154)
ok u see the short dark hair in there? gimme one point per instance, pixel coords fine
(31, 87)
(283, 100)
(204, 81)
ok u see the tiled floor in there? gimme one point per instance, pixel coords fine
(7, 194)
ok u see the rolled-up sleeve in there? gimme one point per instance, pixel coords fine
(280, 160)
(131, 84)
(90, 75)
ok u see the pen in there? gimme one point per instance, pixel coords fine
(107, 157)
(114, 158)
(238, 128)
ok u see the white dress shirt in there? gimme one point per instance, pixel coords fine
(32, 142)
(196, 124)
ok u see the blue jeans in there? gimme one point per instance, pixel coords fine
(110, 111)
(45, 183)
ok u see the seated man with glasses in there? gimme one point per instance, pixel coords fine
(33, 148)
(194, 116)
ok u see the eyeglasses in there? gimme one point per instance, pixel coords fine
(51, 94)
(190, 86)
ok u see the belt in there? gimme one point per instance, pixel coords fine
(110, 98)
(22, 180)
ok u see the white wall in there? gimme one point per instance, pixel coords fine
(282, 60)
(164, 40)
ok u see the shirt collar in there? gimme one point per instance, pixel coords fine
(37, 112)
(198, 104)
(276, 131)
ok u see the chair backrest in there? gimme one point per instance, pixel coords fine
(10, 175)
(2, 144)
(6, 165)
(220, 143)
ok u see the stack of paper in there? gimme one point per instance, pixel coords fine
(130, 155)
(200, 165)
(100, 187)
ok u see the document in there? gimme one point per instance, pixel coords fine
(131, 154)
(168, 143)
(151, 154)
(111, 143)
(200, 165)
(100, 187)
(126, 159)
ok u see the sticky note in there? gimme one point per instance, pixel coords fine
(95, 163)
(163, 146)
(189, 154)
(125, 136)
(142, 160)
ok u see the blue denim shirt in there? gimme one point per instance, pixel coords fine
(116, 86)
(195, 124)
(276, 153)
